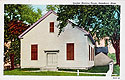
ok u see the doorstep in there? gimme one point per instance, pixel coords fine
(48, 69)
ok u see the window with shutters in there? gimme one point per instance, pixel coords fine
(51, 26)
(70, 51)
(34, 52)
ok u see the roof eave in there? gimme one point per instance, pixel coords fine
(90, 37)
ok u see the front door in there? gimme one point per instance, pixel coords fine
(51, 59)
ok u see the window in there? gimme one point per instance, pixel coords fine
(34, 52)
(51, 26)
(70, 51)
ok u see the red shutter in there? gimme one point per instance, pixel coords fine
(93, 54)
(51, 26)
(34, 52)
(70, 51)
(89, 52)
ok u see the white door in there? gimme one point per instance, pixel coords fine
(52, 59)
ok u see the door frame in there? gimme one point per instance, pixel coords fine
(51, 52)
(47, 59)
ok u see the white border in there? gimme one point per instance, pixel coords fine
(60, 2)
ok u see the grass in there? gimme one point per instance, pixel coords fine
(95, 69)
(29, 69)
(98, 69)
(46, 73)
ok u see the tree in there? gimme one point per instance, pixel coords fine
(15, 29)
(99, 20)
(52, 7)
(17, 19)
(24, 13)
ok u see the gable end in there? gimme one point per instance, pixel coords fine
(37, 22)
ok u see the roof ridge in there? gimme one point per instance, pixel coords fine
(82, 29)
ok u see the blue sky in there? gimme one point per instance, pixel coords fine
(41, 7)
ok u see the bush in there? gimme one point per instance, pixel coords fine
(112, 56)
(116, 70)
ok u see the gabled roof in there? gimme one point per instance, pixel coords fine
(47, 14)
(37, 22)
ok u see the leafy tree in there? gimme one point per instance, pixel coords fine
(99, 20)
(17, 18)
(24, 13)
(16, 27)
(52, 7)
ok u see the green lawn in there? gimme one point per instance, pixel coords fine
(95, 69)
(46, 73)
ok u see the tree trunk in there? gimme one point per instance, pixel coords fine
(118, 56)
(116, 45)
(12, 61)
